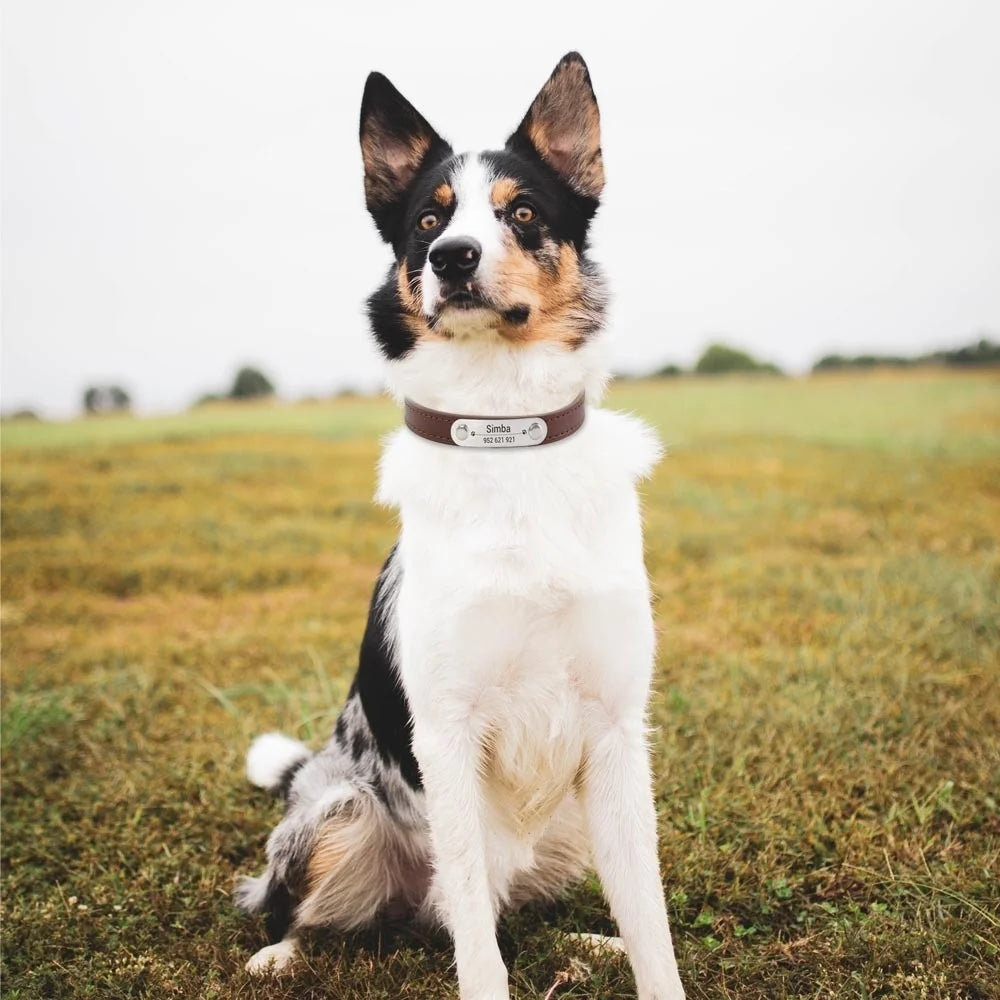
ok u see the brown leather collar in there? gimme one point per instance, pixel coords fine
(494, 432)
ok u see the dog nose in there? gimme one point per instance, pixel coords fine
(455, 259)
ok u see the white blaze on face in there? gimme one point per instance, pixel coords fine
(473, 217)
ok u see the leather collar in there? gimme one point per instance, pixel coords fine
(466, 431)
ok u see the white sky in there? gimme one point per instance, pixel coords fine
(182, 183)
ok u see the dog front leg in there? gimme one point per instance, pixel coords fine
(618, 802)
(448, 755)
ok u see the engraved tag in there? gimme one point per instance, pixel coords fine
(517, 432)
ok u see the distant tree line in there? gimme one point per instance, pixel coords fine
(718, 359)
(983, 352)
(249, 383)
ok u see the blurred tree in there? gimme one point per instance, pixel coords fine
(119, 398)
(718, 358)
(106, 399)
(251, 383)
(830, 362)
(209, 397)
(668, 371)
(984, 352)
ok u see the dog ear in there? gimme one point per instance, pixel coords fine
(396, 141)
(563, 126)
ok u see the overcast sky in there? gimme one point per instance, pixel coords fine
(182, 182)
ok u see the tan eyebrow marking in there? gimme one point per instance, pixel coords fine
(444, 195)
(503, 192)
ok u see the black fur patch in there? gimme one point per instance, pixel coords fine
(359, 745)
(388, 320)
(378, 687)
(517, 315)
(386, 312)
(564, 213)
(411, 241)
(279, 910)
(288, 776)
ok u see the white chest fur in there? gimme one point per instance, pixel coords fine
(541, 524)
(516, 567)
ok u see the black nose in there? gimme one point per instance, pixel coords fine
(455, 259)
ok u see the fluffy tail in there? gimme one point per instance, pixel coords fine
(273, 759)
(251, 893)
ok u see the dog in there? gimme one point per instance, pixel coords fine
(493, 744)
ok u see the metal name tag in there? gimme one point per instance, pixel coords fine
(519, 432)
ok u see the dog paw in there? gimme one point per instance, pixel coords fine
(669, 991)
(596, 943)
(274, 960)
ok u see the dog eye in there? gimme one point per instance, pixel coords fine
(524, 213)
(429, 220)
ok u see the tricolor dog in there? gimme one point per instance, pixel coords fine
(493, 744)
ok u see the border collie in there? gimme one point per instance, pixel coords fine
(493, 744)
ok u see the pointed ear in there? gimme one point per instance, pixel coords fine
(396, 140)
(563, 126)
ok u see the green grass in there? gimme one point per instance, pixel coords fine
(826, 565)
(350, 417)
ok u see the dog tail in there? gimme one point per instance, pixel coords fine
(251, 892)
(273, 760)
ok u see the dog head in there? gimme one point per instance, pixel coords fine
(488, 246)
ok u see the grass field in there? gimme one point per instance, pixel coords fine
(826, 565)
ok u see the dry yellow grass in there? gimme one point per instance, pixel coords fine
(826, 564)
